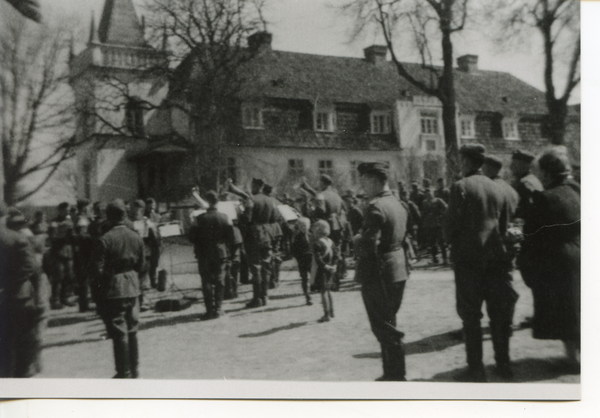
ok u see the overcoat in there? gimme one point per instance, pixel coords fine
(550, 260)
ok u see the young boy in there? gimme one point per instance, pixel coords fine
(302, 252)
(325, 259)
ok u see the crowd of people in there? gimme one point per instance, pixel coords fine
(482, 226)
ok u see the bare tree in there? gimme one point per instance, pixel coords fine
(206, 43)
(38, 112)
(429, 26)
(558, 23)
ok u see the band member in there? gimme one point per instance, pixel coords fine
(60, 236)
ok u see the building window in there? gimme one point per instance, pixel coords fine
(430, 144)
(466, 128)
(509, 129)
(326, 167)
(429, 123)
(252, 117)
(296, 168)
(381, 123)
(324, 121)
(134, 117)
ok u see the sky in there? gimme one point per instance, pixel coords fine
(317, 27)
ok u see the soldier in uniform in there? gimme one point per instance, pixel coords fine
(21, 311)
(118, 263)
(155, 247)
(492, 167)
(149, 232)
(213, 240)
(433, 213)
(329, 207)
(258, 216)
(83, 249)
(382, 265)
(476, 225)
(60, 236)
(277, 236)
(442, 191)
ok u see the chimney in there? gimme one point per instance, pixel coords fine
(467, 63)
(376, 54)
(260, 41)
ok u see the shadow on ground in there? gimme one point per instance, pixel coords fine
(249, 312)
(62, 321)
(273, 330)
(525, 370)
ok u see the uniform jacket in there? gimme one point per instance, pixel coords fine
(380, 247)
(477, 220)
(433, 212)
(214, 236)
(443, 194)
(18, 266)
(119, 259)
(355, 217)
(511, 195)
(60, 234)
(261, 218)
(331, 209)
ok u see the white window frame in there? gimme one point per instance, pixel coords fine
(381, 122)
(252, 116)
(469, 122)
(327, 117)
(432, 123)
(510, 129)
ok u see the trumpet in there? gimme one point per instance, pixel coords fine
(306, 187)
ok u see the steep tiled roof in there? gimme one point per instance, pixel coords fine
(354, 80)
(120, 25)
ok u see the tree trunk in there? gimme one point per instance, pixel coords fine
(557, 115)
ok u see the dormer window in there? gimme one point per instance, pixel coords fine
(252, 116)
(429, 123)
(467, 127)
(509, 129)
(381, 122)
(324, 121)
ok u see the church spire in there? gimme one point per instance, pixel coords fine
(120, 25)
(93, 34)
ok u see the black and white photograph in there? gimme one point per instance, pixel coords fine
(284, 199)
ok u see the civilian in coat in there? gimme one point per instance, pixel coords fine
(551, 255)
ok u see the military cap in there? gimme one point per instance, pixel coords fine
(473, 150)
(555, 162)
(493, 161)
(349, 194)
(267, 188)
(374, 168)
(139, 203)
(523, 156)
(258, 182)
(326, 179)
(115, 210)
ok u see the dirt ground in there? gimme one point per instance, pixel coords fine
(284, 341)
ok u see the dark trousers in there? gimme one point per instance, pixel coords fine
(382, 302)
(213, 273)
(62, 279)
(261, 268)
(435, 240)
(83, 271)
(336, 236)
(491, 283)
(20, 339)
(304, 265)
(230, 291)
(153, 262)
(122, 321)
(244, 268)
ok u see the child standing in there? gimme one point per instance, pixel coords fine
(325, 258)
(301, 251)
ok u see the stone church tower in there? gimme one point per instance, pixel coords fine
(115, 98)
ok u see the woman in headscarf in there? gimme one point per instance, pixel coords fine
(551, 254)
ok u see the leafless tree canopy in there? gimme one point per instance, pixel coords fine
(558, 23)
(37, 107)
(426, 25)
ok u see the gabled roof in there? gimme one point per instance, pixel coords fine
(312, 77)
(120, 25)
